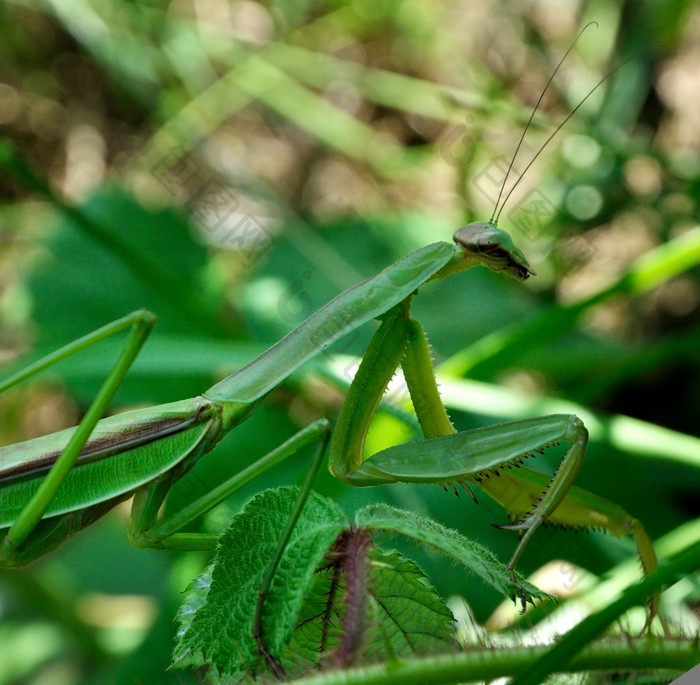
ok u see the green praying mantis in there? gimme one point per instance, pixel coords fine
(53, 486)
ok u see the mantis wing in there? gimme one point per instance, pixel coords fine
(181, 429)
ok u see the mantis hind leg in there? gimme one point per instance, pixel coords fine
(140, 324)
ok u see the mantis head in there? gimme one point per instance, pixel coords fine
(494, 248)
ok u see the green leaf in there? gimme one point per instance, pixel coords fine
(472, 555)
(113, 256)
(220, 613)
(371, 606)
(359, 606)
(184, 655)
(412, 618)
(309, 609)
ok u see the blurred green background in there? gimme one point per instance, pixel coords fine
(231, 165)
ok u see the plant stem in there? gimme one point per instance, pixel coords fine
(490, 663)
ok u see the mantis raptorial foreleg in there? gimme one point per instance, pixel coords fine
(484, 456)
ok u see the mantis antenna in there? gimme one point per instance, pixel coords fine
(496, 211)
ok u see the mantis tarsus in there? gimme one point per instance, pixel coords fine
(53, 486)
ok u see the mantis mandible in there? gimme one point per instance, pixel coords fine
(53, 486)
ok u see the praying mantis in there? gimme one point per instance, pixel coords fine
(54, 486)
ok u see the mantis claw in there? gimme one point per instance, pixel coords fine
(521, 525)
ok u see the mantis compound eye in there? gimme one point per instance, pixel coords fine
(493, 248)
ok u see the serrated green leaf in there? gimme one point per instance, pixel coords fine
(404, 615)
(472, 555)
(195, 598)
(220, 629)
(412, 618)
(307, 608)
